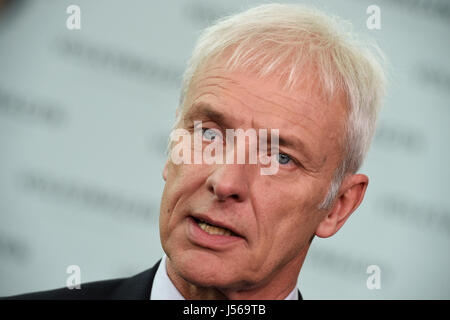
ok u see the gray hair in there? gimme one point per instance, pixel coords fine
(285, 40)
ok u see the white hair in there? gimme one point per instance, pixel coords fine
(287, 41)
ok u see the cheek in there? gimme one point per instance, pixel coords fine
(288, 215)
(182, 181)
(169, 198)
(177, 182)
(164, 215)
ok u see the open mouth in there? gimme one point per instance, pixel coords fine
(214, 230)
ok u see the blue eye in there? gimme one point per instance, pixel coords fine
(283, 158)
(209, 134)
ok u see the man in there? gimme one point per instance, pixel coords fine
(229, 231)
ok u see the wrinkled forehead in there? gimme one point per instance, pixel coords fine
(245, 82)
(290, 72)
(242, 100)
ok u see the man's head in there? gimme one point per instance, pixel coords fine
(279, 67)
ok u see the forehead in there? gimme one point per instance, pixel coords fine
(243, 91)
(245, 100)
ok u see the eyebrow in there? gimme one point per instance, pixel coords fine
(205, 110)
(296, 144)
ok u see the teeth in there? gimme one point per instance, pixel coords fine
(213, 230)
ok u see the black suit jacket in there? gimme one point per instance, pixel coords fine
(137, 287)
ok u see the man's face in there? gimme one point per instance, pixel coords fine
(274, 216)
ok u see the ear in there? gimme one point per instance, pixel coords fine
(165, 170)
(350, 195)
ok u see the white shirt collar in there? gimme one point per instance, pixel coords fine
(164, 289)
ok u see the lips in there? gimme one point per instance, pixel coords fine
(214, 227)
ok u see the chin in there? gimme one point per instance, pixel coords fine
(206, 269)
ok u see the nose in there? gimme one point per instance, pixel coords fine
(228, 182)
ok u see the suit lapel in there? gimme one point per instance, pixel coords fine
(137, 287)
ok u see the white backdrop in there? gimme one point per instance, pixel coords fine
(84, 118)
